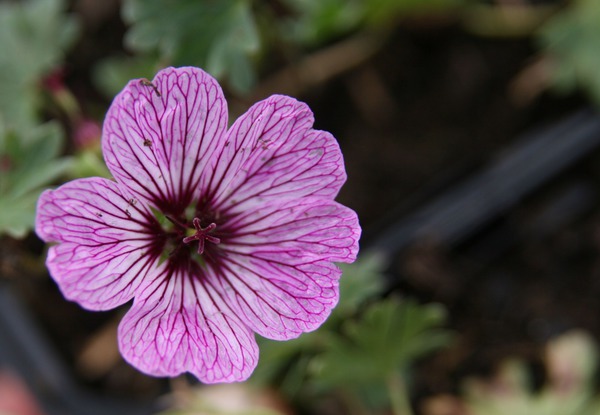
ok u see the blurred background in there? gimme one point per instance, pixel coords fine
(471, 139)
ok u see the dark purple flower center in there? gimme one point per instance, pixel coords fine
(201, 235)
(179, 236)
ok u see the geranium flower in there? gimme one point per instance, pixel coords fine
(215, 233)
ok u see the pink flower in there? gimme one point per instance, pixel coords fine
(215, 233)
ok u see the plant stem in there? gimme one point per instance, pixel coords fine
(398, 394)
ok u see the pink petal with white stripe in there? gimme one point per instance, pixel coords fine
(100, 277)
(160, 138)
(180, 324)
(272, 152)
(275, 298)
(277, 271)
(308, 228)
(106, 238)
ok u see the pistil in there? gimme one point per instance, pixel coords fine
(201, 235)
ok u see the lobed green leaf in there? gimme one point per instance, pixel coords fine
(29, 162)
(219, 36)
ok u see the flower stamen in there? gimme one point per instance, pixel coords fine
(202, 235)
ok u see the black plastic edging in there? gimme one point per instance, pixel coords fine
(533, 160)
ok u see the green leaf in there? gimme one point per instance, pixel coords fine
(383, 12)
(219, 36)
(17, 216)
(286, 362)
(34, 35)
(360, 282)
(88, 163)
(28, 163)
(112, 74)
(317, 21)
(571, 39)
(390, 336)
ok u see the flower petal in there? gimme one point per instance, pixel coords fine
(272, 152)
(105, 239)
(277, 273)
(101, 277)
(179, 324)
(276, 299)
(159, 137)
(309, 228)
